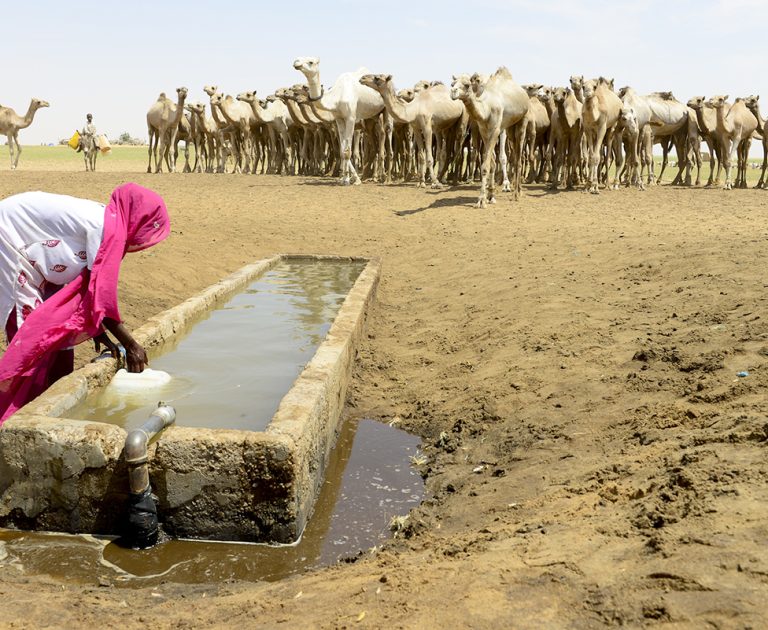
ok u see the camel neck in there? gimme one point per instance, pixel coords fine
(215, 111)
(319, 98)
(295, 112)
(26, 121)
(322, 113)
(400, 111)
(179, 109)
(722, 118)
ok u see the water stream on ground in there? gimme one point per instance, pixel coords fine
(369, 480)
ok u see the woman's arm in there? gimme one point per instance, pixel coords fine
(135, 355)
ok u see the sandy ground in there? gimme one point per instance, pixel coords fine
(570, 362)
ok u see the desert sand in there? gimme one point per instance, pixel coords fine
(570, 362)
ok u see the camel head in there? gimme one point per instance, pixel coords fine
(284, 93)
(37, 103)
(718, 101)
(604, 81)
(308, 66)
(752, 103)
(300, 93)
(589, 88)
(406, 94)
(376, 82)
(271, 98)
(461, 87)
(479, 81)
(533, 89)
(195, 108)
(628, 119)
(420, 86)
(217, 98)
(182, 93)
(577, 82)
(697, 102)
(247, 97)
(210, 90)
(560, 94)
(624, 90)
(545, 94)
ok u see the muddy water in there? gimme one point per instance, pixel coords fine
(369, 480)
(232, 368)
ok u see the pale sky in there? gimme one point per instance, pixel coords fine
(114, 58)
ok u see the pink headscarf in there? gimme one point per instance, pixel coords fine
(135, 218)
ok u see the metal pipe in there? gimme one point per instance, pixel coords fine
(142, 526)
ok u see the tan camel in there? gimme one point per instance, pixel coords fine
(537, 132)
(495, 103)
(163, 120)
(706, 119)
(600, 113)
(734, 130)
(432, 111)
(206, 136)
(11, 122)
(276, 116)
(762, 129)
(565, 138)
(240, 116)
(348, 101)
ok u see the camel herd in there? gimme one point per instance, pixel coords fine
(482, 127)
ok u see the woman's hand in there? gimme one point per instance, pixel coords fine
(135, 357)
(104, 340)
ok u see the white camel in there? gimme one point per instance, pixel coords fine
(348, 101)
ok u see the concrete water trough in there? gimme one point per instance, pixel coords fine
(67, 475)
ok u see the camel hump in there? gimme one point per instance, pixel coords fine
(503, 71)
(162, 96)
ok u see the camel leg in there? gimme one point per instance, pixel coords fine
(505, 184)
(428, 135)
(14, 147)
(761, 181)
(518, 141)
(489, 147)
(727, 156)
(346, 130)
(595, 150)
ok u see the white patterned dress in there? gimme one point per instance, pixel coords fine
(46, 240)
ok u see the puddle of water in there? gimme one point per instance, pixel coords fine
(233, 367)
(368, 481)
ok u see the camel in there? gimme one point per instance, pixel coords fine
(734, 130)
(205, 136)
(240, 116)
(496, 103)
(432, 111)
(537, 133)
(163, 120)
(348, 101)
(11, 122)
(762, 129)
(600, 113)
(665, 115)
(565, 137)
(276, 116)
(706, 118)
